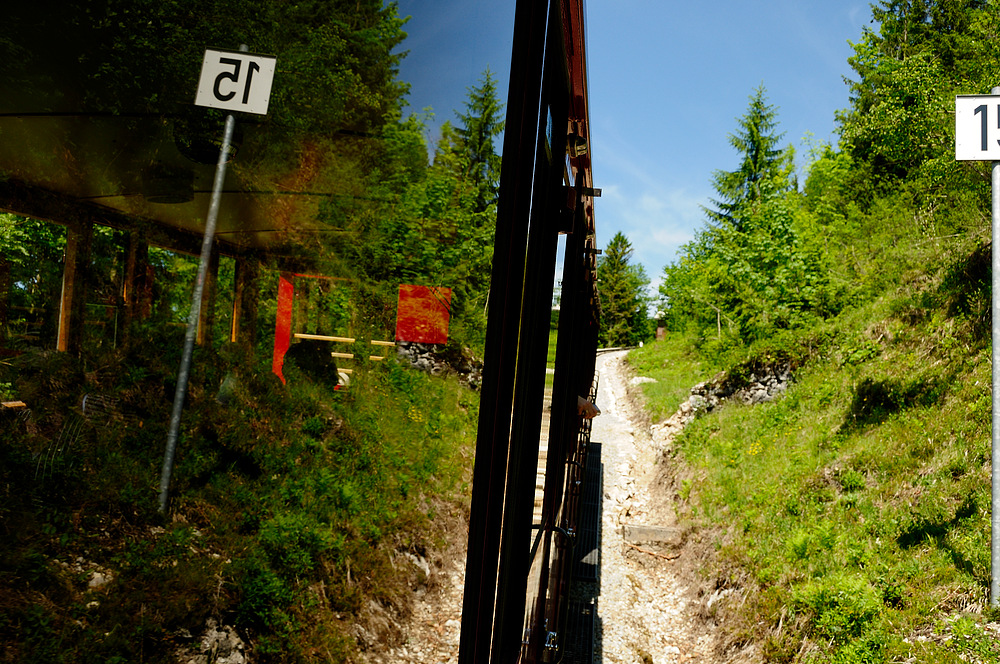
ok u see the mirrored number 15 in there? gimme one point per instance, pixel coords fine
(982, 109)
(234, 76)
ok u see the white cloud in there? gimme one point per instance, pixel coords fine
(657, 221)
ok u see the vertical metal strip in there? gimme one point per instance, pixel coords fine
(506, 285)
(529, 396)
(562, 432)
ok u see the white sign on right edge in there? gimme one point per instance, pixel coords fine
(977, 127)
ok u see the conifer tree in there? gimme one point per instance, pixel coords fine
(764, 167)
(481, 123)
(621, 287)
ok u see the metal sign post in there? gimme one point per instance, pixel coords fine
(225, 83)
(977, 138)
(995, 533)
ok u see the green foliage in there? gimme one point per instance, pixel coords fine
(843, 607)
(481, 125)
(886, 204)
(740, 286)
(764, 170)
(760, 266)
(861, 491)
(908, 73)
(30, 279)
(622, 291)
(438, 225)
(275, 494)
(336, 67)
(289, 504)
(675, 366)
(265, 596)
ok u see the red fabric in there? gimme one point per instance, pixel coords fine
(423, 313)
(283, 322)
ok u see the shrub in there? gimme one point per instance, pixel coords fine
(843, 606)
(295, 542)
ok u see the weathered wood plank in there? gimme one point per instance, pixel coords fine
(634, 534)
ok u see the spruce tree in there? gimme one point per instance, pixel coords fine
(621, 287)
(481, 123)
(764, 168)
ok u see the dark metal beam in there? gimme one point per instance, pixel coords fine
(506, 290)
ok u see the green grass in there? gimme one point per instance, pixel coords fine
(288, 507)
(853, 511)
(676, 368)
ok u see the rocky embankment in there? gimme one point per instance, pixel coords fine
(436, 359)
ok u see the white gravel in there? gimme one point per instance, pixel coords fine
(648, 613)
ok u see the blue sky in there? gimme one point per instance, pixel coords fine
(450, 45)
(668, 81)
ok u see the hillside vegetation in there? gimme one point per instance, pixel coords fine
(302, 517)
(851, 515)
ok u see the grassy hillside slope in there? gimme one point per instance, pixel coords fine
(852, 514)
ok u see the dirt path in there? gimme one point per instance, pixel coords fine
(649, 608)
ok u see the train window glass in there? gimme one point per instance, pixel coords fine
(371, 119)
(374, 171)
(449, 47)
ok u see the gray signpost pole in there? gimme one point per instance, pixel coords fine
(193, 318)
(995, 535)
(977, 138)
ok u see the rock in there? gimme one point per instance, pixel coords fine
(634, 534)
(98, 579)
(220, 644)
(420, 563)
(437, 359)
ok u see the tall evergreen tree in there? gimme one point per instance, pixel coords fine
(480, 125)
(442, 226)
(764, 168)
(622, 289)
(758, 266)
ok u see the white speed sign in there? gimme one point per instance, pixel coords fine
(235, 81)
(977, 127)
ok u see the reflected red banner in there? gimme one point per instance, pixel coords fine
(422, 314)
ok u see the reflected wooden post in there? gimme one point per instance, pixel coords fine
(206, 314)
(135, 287)
(243, 330)
(4, 296)
(72, 305)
